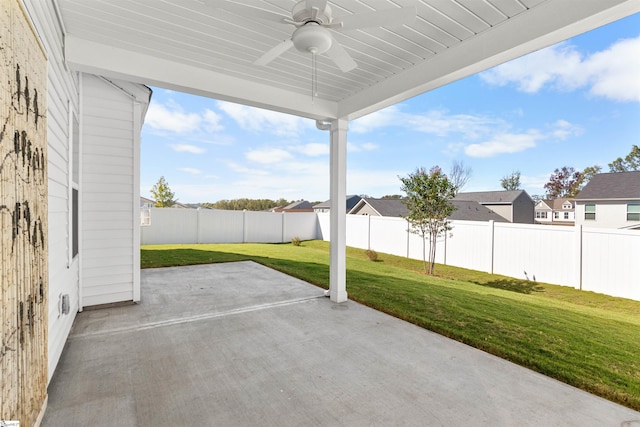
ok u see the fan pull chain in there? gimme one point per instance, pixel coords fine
(314, 77)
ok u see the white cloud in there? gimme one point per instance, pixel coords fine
(312, 149)
(258, 120)
(211, 121)
(503, 143)
(268, 155)
(389, 116)
(187, 148)
(192, 171)
(245, 170)
(611, 73)
(171, 118)
(562, 130)
(357, 148)
(436, 122)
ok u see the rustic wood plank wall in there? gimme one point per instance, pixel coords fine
(23, 218)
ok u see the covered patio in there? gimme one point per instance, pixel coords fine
(294, 356)
(240, 344)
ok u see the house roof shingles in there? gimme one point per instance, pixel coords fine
(491, 197)
(466, 210)
(616, 185)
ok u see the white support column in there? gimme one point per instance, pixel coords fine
(338, 217)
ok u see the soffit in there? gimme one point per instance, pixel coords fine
(189, 46)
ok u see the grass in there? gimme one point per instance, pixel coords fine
(584, 339)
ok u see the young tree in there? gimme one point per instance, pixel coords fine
(460, 175)
(630, 163)
(511, 182)
(428, 199)
(163, 194)
(563, 182)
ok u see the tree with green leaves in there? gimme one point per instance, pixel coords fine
(428, 199)
(586, 175)
(511, 182)
(162, 194)
(630, 163)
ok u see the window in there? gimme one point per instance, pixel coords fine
(633, 212)
(566, 215)
(590, 211)
(541, 214)
(556, 215)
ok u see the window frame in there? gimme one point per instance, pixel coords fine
(633, 215)
(589, 215)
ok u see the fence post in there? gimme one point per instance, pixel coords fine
(578, 255)
(244, 226)
(282, 228)
(198, 238)
(369, 232)
(408, 237)
(491, 245)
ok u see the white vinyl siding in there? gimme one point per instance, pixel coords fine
(62, 100)
(107, 193)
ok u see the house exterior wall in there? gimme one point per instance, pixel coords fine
(505, 211)
(109, 193)
(365, 210)
(608, 214)
(63, 102)
(523, 210)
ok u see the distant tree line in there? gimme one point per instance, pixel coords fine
(247, 204)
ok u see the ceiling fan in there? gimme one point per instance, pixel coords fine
(313, 21)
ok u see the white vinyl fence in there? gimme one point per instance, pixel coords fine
(592, 259)
(173, 226)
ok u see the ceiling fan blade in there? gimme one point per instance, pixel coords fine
(273, 53)
(380, 18)
(341, 57)
(248, 11)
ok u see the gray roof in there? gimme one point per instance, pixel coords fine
(469, 210)
(466, 210)
(352, 200)
(388, 207)
(617, 185)
(302, 204)
(492, 197)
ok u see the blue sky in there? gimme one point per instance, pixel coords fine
(573, 104)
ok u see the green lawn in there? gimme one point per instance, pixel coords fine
(588, 340)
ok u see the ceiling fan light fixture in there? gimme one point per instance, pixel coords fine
(312, 38)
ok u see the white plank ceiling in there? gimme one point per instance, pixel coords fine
(190, 46)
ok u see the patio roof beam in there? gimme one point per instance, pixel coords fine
(109, 61)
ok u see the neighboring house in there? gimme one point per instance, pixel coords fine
(610, 200)
(146, 203)
(555, 212)
(513, 205)
(300, 206)
(465, 210)
(326, 206)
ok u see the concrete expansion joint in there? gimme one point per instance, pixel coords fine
(197, 318)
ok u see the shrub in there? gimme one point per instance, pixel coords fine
(296, 241)
(371, 254)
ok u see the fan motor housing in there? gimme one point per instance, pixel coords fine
(302, 14)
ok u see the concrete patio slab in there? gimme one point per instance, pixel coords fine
(242, 345)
